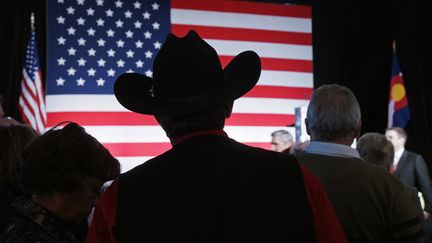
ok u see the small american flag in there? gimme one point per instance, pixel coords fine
(32, 97)
(91, 42)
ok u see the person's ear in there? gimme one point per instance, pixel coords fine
(307, 126)
(228, 109)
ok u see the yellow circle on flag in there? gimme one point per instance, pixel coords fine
(398, 92)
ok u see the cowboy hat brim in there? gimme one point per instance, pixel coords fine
(240, 76)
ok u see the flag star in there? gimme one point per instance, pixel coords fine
(71, 31)
(128, 14)
(91, 32)
(71, 51)
(111, 52)
(61, 61)
(130, 71)
(91, 52)
(71, 71)
(80, 2)
(139, 44)
(120, 43)
(81, 41)
(120, 63)
(137, 5)
(90, 12)
(101, 62)
(119, 23)
(129, 34)
(149, 73)
(80, 82)
(60, 1)
(156, 25)
(138, 25)
(80, 21)
(148, 54)
(109, 13)
(61, 40)
(100, 22)
(146, 15)
(70, 10)
(91, 72)
(147, 34)
(130, 53)
(155, 6)
(61, 20)
(111, 72)
(110, 33)
(118, 3)
(100, 82)
(139, 64)
(157, 45)
(81, 62)
(60, 81)
(101, 42)
(99, 2)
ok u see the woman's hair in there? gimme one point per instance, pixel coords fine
(60, 159)
(13, 139)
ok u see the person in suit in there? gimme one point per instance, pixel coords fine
(282, 140)
(370, 203)
(411, 169)
(208, 187)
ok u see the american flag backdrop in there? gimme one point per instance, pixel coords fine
(91, 42)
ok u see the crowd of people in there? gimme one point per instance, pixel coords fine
(209, 187)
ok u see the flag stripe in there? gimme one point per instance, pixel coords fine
(140, 134)
(220, 33)
(279, 92)
(239, 20)
(264, 50)
(278, 64)
(286, 79)
(32, 101)
(133, 119)
(26, 114)
(102, 103)
(244, 7)
(152, 149)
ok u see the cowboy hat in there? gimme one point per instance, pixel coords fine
(187, 77)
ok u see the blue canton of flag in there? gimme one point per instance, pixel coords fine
(91, 42)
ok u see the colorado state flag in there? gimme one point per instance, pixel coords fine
(398, 112)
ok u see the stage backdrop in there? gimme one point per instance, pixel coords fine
(90, 43)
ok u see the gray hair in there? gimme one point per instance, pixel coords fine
(284, 136)
(376, 149)
(334, 113)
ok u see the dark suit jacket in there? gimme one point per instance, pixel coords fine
(412, 171)
(213, 189)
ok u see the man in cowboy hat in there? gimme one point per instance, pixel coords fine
(208, 187)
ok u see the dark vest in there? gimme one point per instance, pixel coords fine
(213, 189)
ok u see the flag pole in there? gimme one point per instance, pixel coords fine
(32, 21)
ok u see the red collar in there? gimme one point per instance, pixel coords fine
(177, 140)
